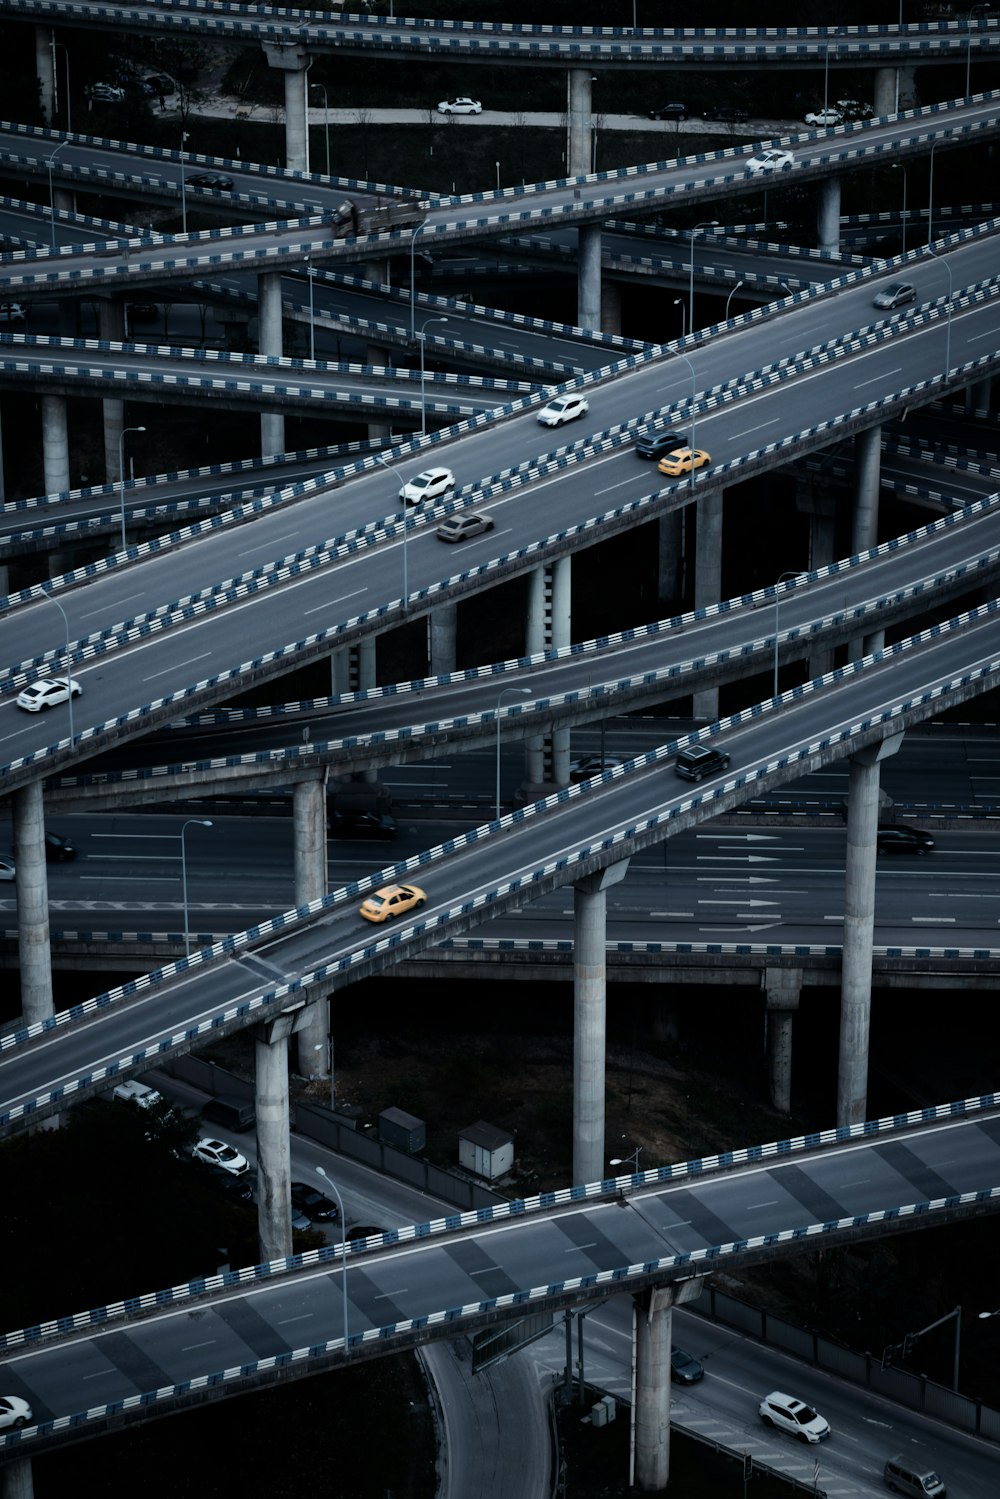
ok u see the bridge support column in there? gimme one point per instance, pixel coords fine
(34, 953)
(977, 396)
(590, 927)
(864, 530)
(55, 445)
(578, 122)
(309, 834)
(293, 60)
(378, 354)
(272, 423)
(549, 626)
(859, 926)
(562, 635)
(670, 574)
(652, 1321)
(45, 72)
(111, 326)
(611, 307)
(274, 1170)
(828, 216)
(442, 639)
(352, 667)
(16, 1481)
(782, 987)
(588, 271)
(708, 582)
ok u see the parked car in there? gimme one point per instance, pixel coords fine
(161, 84)
(672, 111)
(141, 1095)
(12, 312)
(726, 114)
(143, 312)
(684, 1368)
(392, 901)
(240, 1188)
(897, 294)
(700, 760)
(593, 765)
(7, 868)
(314, 1203)
(770, 160)
(361, 824)
(105, 93)
(653, 442)
(900, 838)
(14, 1411)
(218, 1153)
(462, 106)
(432, 484)
(822, 118)
(682, 461)
(788, 1414)
(58, 849)
(46, 692)
(563, 409)
(217, 181)
(464, 527)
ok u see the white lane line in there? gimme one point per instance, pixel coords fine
(388, 1295)
(192, 1347)
(303, 1317)
(249, 551)
(330, 603)
(101, 1374)
(876, 379)
(88, 613)
(177, 666)
(579, 1248)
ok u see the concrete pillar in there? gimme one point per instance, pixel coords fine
(269, 341)
(45, 72)
(578, 158)
(352, 667)
(977, 396)
(708, 582)
(611, 306)
(34, 955)
(670, 545)
(535, 642)
(828, 216)
(562, 635)
(60, 562)
(442, 639)
(590, 925)
(292, 59)
(309, 833)
(16, 1479)
(111, 326)
(859, 926)
(885, 91)
(4, 581)
(653, 1336)
(549, 626)
(864, 520)
(274, 1173)
(55, 445)
(822, 511)
(782, 987)
(588, 271)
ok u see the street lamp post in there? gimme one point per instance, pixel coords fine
(69, 661)
(326, 123)
(198, 822)
(619, 1160)
(121, 473)
(55, 79)
(525, 692)
(679, 302)
(343, 1244)
(329, 1048)
(705, 224)
(52, 201)
(383, 458)
(897, 166)
(731, 296)
(310, 272)
(184, 208)
(413, 283)
(777, 596)
(423, 340)
(930, 199)
(694, 388)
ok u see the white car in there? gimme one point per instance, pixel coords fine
(47, 692)
(430, 485)
(107, 93)
(14, 1411)
(563, 409)
(824, 117)
(218, 1153)
(141, 1094)
(788, 1414)
(7, 869)
(770, 160)
(460, 107)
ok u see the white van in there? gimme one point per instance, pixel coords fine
(907, 1475)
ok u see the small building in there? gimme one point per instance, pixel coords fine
(486, 1150)
(398, 1128)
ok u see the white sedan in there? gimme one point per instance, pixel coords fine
(460, 107)
(770, 160)
(821, 118)
(14, 1411)
(563, 409)
(47, 692)
(218, 1153)
(8, 870)
(430, 485)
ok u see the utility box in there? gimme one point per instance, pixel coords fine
(398, 1128)
(604, 1411)
(486, 1150)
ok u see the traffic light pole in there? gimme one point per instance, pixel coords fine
(910, 1339)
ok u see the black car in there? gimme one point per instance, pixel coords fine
(593, 765)
(899, 837)
(58, 848)
(726, 114)
(214, 180)
(672, 111)
(160, 83)
(653, 442)
(241, 1188)
(362, 825)
(700, 760)
(684, 1369)
(313, 1203)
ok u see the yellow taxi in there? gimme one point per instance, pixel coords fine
(392, 901)
(682, 461)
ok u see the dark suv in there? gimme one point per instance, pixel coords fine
(359, 823)
(672, 111)
(899, 837)
(653, 442)
(700, 760)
